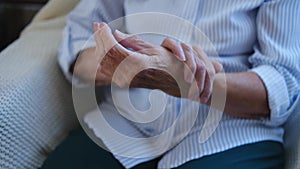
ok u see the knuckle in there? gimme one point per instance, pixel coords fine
(166, 40)
(134, 37)
(164, 43)
(171, 44)
(169, 41)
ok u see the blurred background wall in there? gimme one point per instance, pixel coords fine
(14, 16)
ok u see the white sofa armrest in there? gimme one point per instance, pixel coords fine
(36, 110)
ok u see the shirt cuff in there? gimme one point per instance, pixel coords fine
(277, 92)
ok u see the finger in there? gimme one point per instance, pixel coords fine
(200, 75)
(193, 93)
(133, 42)
(190, 67)
(107, 43)
(97, 37)
(120, 36)
(175, 48)
(210, 69)
(204, 58)
(208, 85)
(104, 38)
(200, 78)
(218, 66)
(96, 26)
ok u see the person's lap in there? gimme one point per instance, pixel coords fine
(79, 151)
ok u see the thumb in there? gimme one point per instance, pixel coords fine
(104, 38)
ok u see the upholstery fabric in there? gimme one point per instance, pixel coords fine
(36, 110)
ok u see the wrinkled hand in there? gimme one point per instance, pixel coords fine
(161, 69)
(197, 66)
(150, 66)
(98, 64)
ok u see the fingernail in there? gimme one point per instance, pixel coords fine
(96, 25)
(101, 25)
(182, 55)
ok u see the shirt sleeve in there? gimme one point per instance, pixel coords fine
(276, 59)
(78, 32)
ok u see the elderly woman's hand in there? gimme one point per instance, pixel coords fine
(148, 66)
(97, 64)
(197, 65)
(105, 63)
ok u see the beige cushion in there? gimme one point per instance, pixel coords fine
(36, 109)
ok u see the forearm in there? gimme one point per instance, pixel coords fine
(246, 96)
(84, 65)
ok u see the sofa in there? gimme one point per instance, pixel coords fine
(36, 109)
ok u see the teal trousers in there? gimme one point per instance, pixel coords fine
(78, 151)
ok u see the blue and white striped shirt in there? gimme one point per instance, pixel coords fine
(258, 35)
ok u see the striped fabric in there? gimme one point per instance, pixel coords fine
(259, 36)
